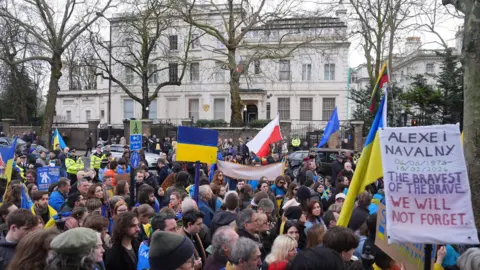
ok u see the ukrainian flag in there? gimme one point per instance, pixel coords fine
(57, 139)
(197, 144)
(369, 166)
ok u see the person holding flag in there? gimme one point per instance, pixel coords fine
(369, 168)
(58, 140)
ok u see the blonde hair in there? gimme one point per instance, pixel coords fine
(280, 248)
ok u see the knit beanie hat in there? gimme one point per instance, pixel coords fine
(168, 251)
(75, 241)
(304, 193)
(293, 212)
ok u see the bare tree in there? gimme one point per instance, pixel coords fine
(239, 19)
(81, 76)
(51, 29)
(142, 50)
(378, 22)
(471, 79)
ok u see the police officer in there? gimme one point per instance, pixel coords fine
(296, 143)
(96, 158)
(73, 165)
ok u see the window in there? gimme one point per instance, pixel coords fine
(329, 72)
(128, 108)
(306, 72)
(69, 116)
(430, 68)
(354, 78)
(327, 108)
(306, 109)
(219, 72)
(219, 109)
(195, 43)
(256, 66)
(284, 70)
(193, 109)
(88, 115)
(152, 110)
(152, 72)
(173, 40)
(173, 72)
(194, 72)
(268, 110)
(284, 108)
(102, 113)
(128, 42)
(129, 76)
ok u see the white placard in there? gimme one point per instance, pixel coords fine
(426, 186)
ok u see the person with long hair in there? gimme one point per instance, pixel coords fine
(278, 189)
(76, 249)
(218, 178)
(14, 194)
(32, 250)
(245, 195)
(123, 254)
(96, 191)
(291, 194)
(315, 235)
(123, 189)
(31, 188)
(314, 215)
(284, 249)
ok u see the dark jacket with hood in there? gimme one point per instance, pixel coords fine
(7, 250)
(162, 174)
(117, 257)
(222, 218)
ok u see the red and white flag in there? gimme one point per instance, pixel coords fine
(260, 145)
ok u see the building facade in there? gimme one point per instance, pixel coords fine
(303, 87)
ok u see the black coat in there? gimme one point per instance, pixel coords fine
(359, 216)
(336, 168)
(117, 257)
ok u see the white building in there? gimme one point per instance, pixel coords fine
(414, 61)
(303, 88)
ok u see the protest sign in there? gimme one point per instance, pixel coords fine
(412, 256)
(47, 176)
(426, 186)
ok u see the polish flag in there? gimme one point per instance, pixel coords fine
(260, 145)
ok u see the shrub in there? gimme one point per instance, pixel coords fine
(210, 123)
(258, 123)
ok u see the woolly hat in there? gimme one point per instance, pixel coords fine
(293, 212)
(74, 241)
(168, 251)
(181, 179)
(304, 193)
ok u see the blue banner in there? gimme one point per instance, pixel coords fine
(47, 176)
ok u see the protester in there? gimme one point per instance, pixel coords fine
(222, 243)
(283, 251)
(245, 255)
(20, 222)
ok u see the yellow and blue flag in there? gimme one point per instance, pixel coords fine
(57, 139)
(7, 155)
(197, 144)
(369, 166)
(333, 126)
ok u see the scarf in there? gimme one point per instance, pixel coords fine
(39, 211)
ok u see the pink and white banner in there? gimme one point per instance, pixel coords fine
(244, 172)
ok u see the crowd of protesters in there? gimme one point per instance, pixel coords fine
(92, 218)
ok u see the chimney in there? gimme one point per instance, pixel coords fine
(341, 12)
(412, 44)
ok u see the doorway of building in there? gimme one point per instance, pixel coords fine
(250, 114)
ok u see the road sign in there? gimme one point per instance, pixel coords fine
(135, 135)
(135, 142)
(135, 159)
(135, 127)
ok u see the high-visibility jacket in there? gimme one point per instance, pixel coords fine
(74, 166)
(51, 213)
(296, 142)
(96, 160)
(20, 171)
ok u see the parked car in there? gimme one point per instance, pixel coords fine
(6, 142)
(324, 157)
(118, 149)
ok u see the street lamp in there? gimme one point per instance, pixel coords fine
(109, 111)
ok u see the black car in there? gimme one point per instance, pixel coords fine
(324, 157)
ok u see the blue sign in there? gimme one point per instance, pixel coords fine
(135, 159)
(135, 142)
(47, 176)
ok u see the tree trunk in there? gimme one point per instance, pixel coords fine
(471, 65)
(145, 103)
(236, 119)
(55, 74)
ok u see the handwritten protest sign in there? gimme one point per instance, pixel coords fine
(426, 186)
(412, 256)
(47, 176)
